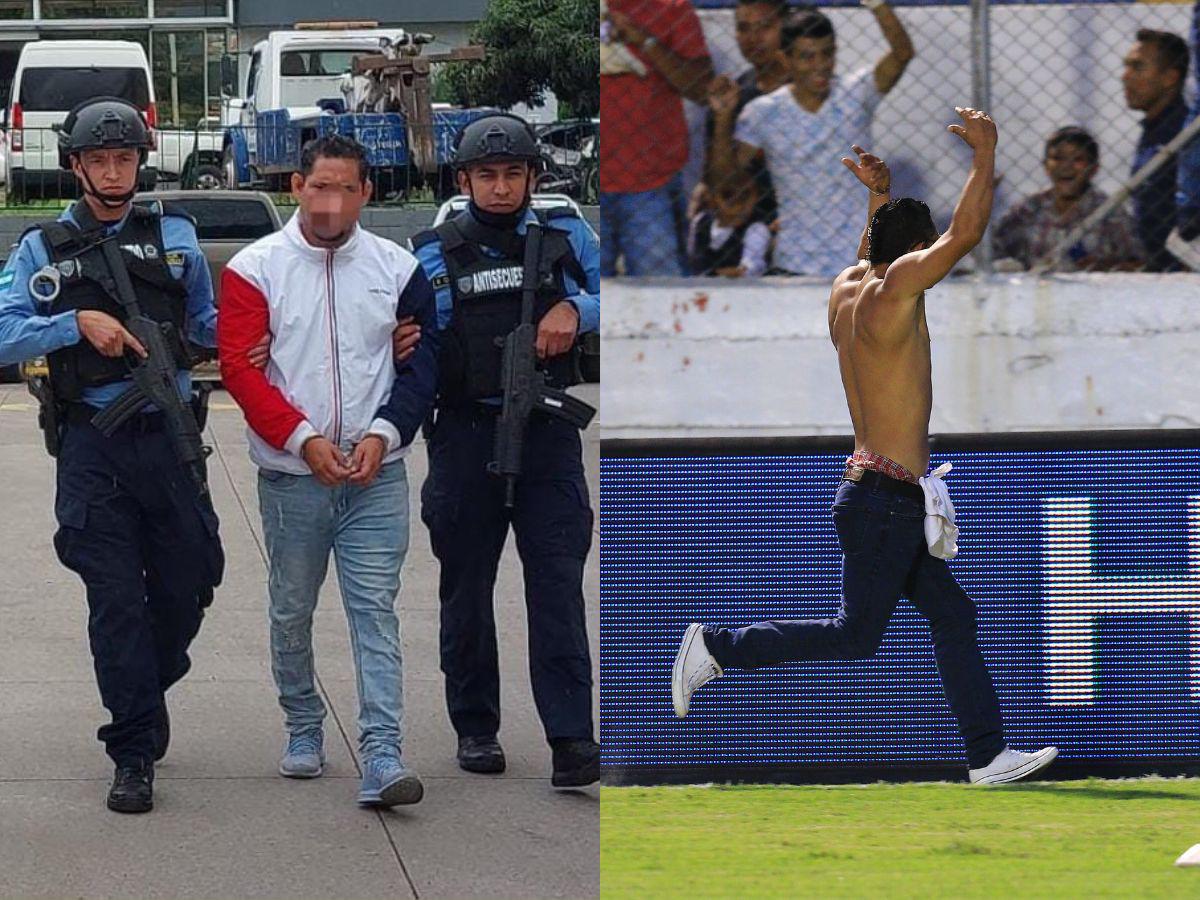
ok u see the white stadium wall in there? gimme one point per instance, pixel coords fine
(709, 357)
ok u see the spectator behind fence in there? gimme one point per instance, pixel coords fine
(1035, 226)
(730, 239)
(1153, 78)
(802, 130)
(1184, 243)
(645, 133)
(758, 25)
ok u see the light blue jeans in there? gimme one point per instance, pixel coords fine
(367, 530)
(644, 228)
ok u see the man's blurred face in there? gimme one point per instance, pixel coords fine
(496, 187)
(112, 172)
(1144, 79)
(758, 27)
(812, 61)
(1070, 170)
(331, 198)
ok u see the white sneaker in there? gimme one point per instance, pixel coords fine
(1187, 252)
(1013, 765)
(694, 667)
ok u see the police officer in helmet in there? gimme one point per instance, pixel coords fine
(474, 262)
(140, 533)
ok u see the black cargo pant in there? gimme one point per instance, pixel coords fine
(133, 528)
(463, 507)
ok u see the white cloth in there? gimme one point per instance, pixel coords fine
(755, 244)
(941, 534)
(820, 203)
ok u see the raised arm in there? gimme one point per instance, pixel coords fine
(726, 155)
(900, 47)
(922, 269)
(689, 76)
(873, 173)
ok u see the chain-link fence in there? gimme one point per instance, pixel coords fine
(726, 122)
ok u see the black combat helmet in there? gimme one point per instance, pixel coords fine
(103, 123)
(496, 137)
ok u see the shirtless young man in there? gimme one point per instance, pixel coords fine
(877, 322)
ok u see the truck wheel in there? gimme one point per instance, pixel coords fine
(208, 177)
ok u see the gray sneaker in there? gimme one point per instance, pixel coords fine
(304, 756)
(387, 781)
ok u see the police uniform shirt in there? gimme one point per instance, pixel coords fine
(585, 297)
(27, 332)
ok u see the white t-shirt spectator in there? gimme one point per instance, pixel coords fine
(822, 207)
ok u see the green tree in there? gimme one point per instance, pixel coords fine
(533, 45)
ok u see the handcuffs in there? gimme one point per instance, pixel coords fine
(50, 275)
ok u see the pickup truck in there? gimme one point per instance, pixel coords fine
(192, 157)
(226, 221)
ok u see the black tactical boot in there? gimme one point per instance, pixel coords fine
(576, 762)
(132, 789)
(480, 754)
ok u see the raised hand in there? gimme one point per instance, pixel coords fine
(723, 95)
(977, 129)
(870, 170)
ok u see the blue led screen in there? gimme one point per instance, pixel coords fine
(1084, 566)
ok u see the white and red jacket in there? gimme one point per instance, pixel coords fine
(331, 314)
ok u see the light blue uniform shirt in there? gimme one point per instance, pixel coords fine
(586, 297)
(27, 330)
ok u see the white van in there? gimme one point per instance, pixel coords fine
(51, 78)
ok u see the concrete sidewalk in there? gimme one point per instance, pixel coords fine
(224, 824)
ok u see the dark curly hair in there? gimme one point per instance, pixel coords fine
(896, 227)
(334, 146)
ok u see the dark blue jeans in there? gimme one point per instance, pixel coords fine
(885, 557)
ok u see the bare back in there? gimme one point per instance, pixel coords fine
(883, 354)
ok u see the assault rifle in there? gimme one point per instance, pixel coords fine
(154, 378)
(525, 387)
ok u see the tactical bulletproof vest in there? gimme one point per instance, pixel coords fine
(486, 297)
(705, 259)
(86, 284)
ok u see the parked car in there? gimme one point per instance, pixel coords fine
(192, 157)
(226, 221)
(51, 78)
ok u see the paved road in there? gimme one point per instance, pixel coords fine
(225, 825)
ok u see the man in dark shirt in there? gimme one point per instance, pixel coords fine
(1153, 78)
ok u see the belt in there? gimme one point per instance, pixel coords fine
(83, 413)
(872, 479)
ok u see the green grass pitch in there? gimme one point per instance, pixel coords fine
(1062, 839)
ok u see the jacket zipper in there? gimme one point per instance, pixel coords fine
(333, 341)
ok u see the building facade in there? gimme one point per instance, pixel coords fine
(185, 39)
